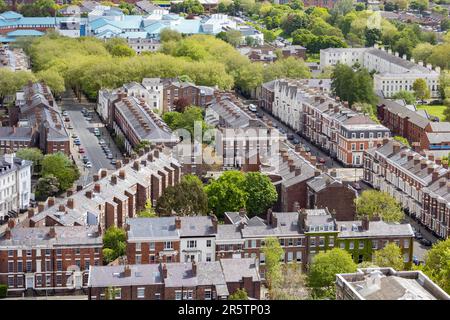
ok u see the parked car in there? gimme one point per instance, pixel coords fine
(252, 108)
(66, 119)
(107, 150)
(307, 149)
(102, 142)
(84, 110)
(418, 236)
(296, 141)
(89, 118)
(356, 185)
(81, 150)
(77, 142)
(113, 162)
(65, 114)
(259, 115)
(109, 156)
(425, 242)
(322, 160)
(88, 164)
(69, 127)
(85, 159)
(74, 136)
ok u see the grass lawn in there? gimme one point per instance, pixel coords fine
(435, 110)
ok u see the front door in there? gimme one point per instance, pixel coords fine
(30, 282)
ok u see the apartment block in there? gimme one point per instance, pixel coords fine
(387, 284)
(15, 184)
(393, 73)
(48, 260)
(111, 198)
(417, 182)
(176, 281)
(177, 91)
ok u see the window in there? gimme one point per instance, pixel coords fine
(290, 256)
(118, 293)
(157, 296)
(138, 246)
(59, 265)
(168, 245)
(406, 243)
(353, 146)
(19, 266)
(208, 243)
(374, 244)
(10, 266)
(361, 244)
(361, 146)
(321, 241)
(47, 252)
(208, 294)
(38, 280)
(29, 252)
(59, 279)
(352, 245)
(298, 242)
(58, 252)
(77, 251)
(378, 134)
(29, 266)
(177, 295)
(353, 135)
(10, 281)
(262, 258)
(290, 242)
(298, 256)
(152, 258)
(331, 241)
(192, 244)
(48, 280)
(253, 244)
(371, 135)
(10, 253)
(78, 263)
(208, 257)
(151, 246)
(138, 259)
(87, 265)
(141, 293)
(48, 265)
(169, 259)
(313, 242)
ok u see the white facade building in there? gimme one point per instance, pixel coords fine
(393, 73)
(15, 184)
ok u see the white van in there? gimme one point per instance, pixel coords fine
(252, 108)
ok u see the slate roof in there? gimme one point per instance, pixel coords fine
(322, 181)
(16, 134)
(235, 269)
(438, 137)
(440, 126)
(141, 274)
(403, 112)
(376, 229)
(180, 274)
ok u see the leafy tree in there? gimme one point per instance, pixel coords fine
(294, 21)
(352, 86)
(186, 120)
(273, 252)
(420, 5)
(261, 193)
(422, 51)
(11, 82)
(408, 96)
(373, 203)
(323, 270)
(188, 6)
(46, 187)
(60, 166)
(372, 36)
(187, 198)
(32, 154)
(314, 43)
(233, 37)
(227, 193)
(118, 47)
(437, 264)
(53, 79)
(169, 35)
(292, 286)
(445, 24)
(114, 244)
(148, 211)
(141, 145)
(239, 294)
(290, 67)
(421, 90)
(402, 140)
(39, 8)
(390, 256)
(360, 6)
(3, 6)
(341, 8)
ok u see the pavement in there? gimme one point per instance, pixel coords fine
(85, 131)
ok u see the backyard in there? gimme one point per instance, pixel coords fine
(433, 110)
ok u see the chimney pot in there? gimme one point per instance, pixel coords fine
(177, 222)
(97, 188)
(70, 203)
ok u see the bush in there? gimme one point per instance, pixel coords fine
(3, 290)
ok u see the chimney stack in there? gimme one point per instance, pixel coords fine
(194, 268)
(89, 194)
(118, 164)
(79, 187)
(136, 166)
(177, 222)
(11, 223)
(70, 203)
(113, 179)
(51, 232)
(214, 222)
(8, 234)
(41, 207)
(31, 212)
(122, 174)
(50, 201)
(242, 212)
(164, 271)
(97, 188)
(302, 219)
(103, 173)
(365, 223)
(395, 147)
(61, 208)
(126, 271)
(96, 177)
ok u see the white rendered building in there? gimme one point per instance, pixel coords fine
(393, 73)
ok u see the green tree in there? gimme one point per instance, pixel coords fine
(60, 166)
(402, 140)
(114, 244)
(421, 90)
(420, 5)
(227, 193)
(53, 79)
(169, 35)
(233, 37)
(390, 256)
(323, 270)
(3, 6)
(188, 6)
(148, 211)
(437, 264)
(273, 252)
(292, 286)
(46, 187)
(261, 193)
(372, 36)
(239, 294)
(373, 203)
(39, 8)
(11, 82)
(141, 145)
(187, 198)
(186, 120)
(32, 154)
(290, 67)
(408, 96)
(294, 21)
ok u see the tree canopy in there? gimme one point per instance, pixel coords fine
(373, 203)
(437, 264)
(273, 252)
(239, 294)
(114, 244)
(61, 167)
(390, 256)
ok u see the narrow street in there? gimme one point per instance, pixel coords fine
(89, 142)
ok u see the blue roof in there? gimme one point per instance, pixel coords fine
(25, 33)
(38, 20)
(133, 35)
(11, 15)
(5, 40)
(188, 26)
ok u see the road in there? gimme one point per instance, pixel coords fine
(419, 250)
(85, 131)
